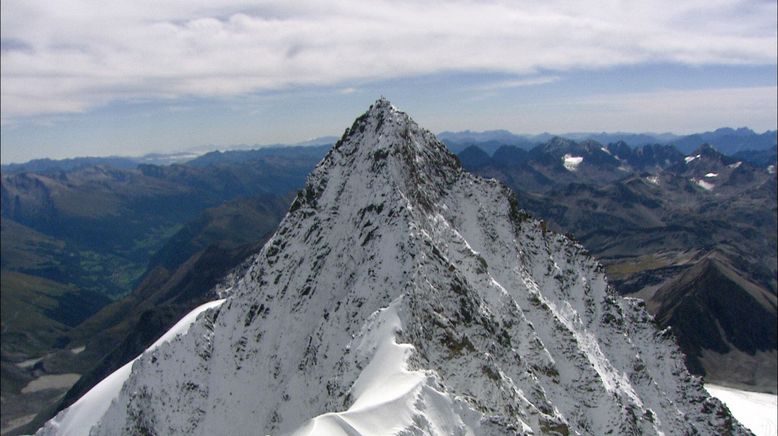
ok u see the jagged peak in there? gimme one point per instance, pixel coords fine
(706, 149)
(709, 153)
(558, 141)
(384, 128)
(383, 109)
(384, 144)
(558, 144)
(383, 104)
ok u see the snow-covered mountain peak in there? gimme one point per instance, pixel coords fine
(387, 151)
(384, 130)
(402, 295)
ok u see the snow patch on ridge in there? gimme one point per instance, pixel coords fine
(612, 379)
(703, 184)
(571, 162)
(387, 395)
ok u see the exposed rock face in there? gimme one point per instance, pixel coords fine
(717, 312)
(402, 295)
(651, 221)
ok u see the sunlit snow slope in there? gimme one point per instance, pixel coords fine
(402, 295)
(87, 411)
(758, 412)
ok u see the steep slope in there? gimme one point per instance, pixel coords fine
(403, 295)
(179, 277)
(716, 312)
(667, 213)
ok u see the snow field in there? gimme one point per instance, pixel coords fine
(755, 410)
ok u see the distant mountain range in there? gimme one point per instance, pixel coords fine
(126, 162)
(726, 140)
(52, 165)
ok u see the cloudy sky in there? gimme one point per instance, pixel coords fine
(130, 77)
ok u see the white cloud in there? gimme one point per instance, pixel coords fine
(687, 110)
(678, 111)
(517, 83)
(71, 55)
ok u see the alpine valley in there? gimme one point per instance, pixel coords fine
(403, 295)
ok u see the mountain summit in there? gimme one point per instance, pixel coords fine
(402, 295)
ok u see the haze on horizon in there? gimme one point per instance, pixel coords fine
(128, 78)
